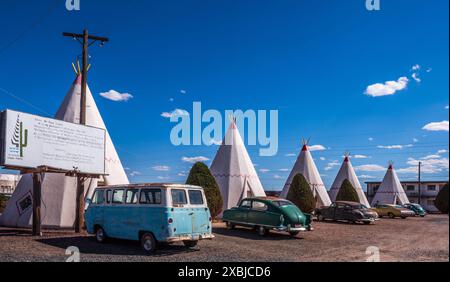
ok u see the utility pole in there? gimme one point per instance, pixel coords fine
(85, 40)
(420, 184)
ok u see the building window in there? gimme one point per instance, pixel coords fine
(431, 187)
(375, 188)
(410, 188)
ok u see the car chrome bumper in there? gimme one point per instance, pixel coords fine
(189, 238)
(292, 229)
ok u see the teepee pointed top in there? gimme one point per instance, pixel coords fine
(346, 156)
(305, 143)
(391, 165)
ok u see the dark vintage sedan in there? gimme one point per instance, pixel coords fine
(416, 208)
(347, 211)
(268, 213)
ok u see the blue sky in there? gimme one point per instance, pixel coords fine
(313, 61)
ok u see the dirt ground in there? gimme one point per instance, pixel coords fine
(412, 239)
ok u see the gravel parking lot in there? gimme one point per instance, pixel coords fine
(412, 239)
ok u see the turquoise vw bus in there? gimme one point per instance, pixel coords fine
(149, 213)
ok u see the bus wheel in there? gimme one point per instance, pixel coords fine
(148, 242)
(100, 235)
(190, 243)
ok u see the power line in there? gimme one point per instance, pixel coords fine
(24, 101)
(33, 24)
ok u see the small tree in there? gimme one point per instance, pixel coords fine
(3, 201)
(301, 195)
(347, 192)
(201, 176)
(441, 201)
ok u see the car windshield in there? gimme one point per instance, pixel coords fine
(398, 206)
(282, 203)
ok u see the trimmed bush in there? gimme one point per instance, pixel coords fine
(441, 201)
(3, 201)
(301, 195)
(347, 192)
(201, 176)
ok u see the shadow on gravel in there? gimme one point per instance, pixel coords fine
(14, 232)
(248, 233)
(88, 245)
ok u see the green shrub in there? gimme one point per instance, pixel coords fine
(441, 201)
(3, 201)
(347, 192)
(201, 176)
(301, 195)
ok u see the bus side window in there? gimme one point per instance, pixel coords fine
(178, 197)
(118, 196)
(99, 197)
(108, 196)
(150, 196)
(132, 196)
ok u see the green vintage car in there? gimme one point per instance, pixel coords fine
(268, 213)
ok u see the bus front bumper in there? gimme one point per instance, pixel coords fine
(194, 237)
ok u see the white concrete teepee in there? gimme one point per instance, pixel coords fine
(347, 172)
(234, 171)
(305, 165)
(58, 191)
(391, 190)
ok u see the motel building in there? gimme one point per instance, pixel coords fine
(8, 183)
(428, 192)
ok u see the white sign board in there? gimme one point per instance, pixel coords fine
(30, 141)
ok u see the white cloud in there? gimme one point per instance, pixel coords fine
(161, 168)
(182, 91)
(322, 158)
(429, 69)
(437, 126)
(370, 138)
(290, 155)
(429, 157)
(115, 96)
(430, 164)
(181, 174)
(264, 170)
(171, 99)
(163, 177)
(194, 159)
(387, 88)
(446, 107)
(369, 167)
(176, 112)
(416, 67)
(331, 165)
(316, 148)
(390, 147)
(276, 176)
(415, 140)
(416, 77)
(360, 157)
(365, 176)
(443, 151)
(284, 169)
(134, 173)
